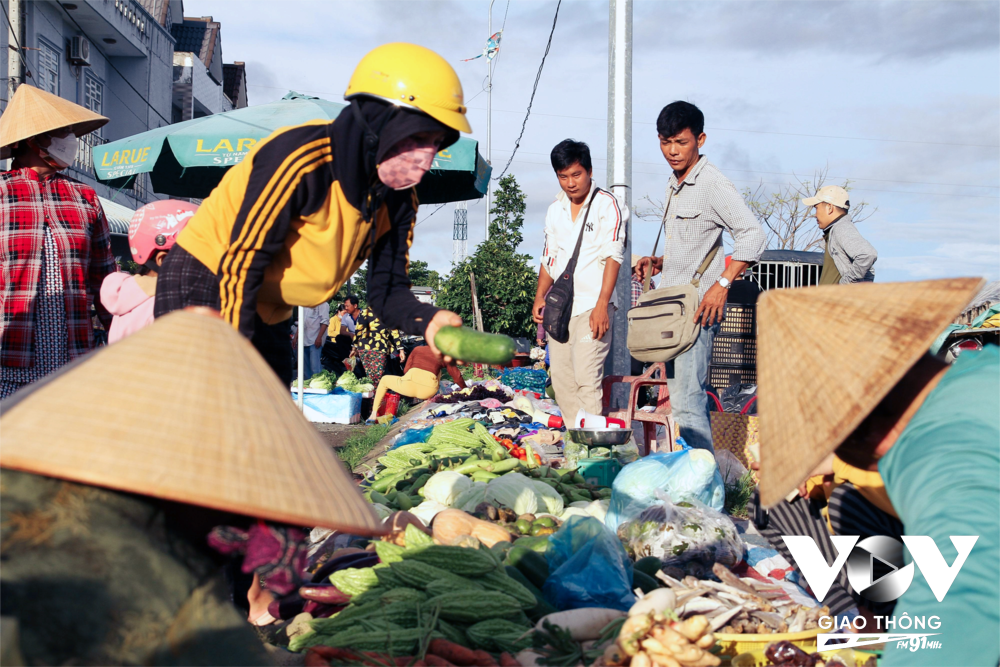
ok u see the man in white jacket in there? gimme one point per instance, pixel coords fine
(577, 366)
(848, 257)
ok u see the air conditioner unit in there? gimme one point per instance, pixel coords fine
(79, 51)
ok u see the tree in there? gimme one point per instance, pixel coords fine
(789, 224)
(421, 275)
(505, 279)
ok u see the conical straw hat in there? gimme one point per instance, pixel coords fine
(826, 356)
(185, 410)
(33, 111)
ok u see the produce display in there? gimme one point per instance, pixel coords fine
(349, 382)
(420, 592)
(740, 606)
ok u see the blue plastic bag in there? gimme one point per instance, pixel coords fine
(410, 436)
(588, 567)
(683, 475)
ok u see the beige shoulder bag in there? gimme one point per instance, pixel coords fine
(662, 326)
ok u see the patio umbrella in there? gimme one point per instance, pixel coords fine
(189, 159)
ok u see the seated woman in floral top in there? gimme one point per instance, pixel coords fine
(373, 343)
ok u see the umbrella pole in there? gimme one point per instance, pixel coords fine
(302, 356)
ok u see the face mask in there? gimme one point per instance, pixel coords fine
(63, 150)
(406, 163)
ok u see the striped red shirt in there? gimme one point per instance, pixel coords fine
(29, 202)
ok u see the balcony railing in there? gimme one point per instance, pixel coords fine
(85, 155)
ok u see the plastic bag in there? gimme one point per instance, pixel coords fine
(688, 474)
(588, 567)
(626, 453)
(688, 536)
(573, 453)
(410, 436)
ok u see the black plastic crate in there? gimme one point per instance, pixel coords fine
(739, 320)
(734, 351)
(721, 377)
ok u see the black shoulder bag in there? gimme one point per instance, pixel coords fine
(559, 300)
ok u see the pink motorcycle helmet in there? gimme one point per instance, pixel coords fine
(155, 227)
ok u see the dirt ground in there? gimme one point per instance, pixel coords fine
(337, 434)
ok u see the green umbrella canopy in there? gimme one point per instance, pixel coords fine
(189, 159)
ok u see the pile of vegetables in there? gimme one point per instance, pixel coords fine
(349, 382)
(422, 591)
(462, 466)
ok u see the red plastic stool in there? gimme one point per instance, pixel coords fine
(660, 415)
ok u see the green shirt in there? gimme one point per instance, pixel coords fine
(943, 477)
(829, 274)
(95, 577)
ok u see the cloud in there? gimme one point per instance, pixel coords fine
(874, 30)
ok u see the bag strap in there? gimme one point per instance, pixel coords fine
(663, 223)
(704, 265)
(571, 267)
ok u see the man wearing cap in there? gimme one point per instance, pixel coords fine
(848, 257)
(55, 245)
(845, 369)
(298, 216)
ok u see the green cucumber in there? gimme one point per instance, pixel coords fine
(649, 565)
(644, 581)
(531, 564)
(403, 501)
(542, 607)
(472, 346)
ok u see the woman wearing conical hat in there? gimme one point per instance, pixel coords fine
(55, 245)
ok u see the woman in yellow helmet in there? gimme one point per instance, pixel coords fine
(292, 222)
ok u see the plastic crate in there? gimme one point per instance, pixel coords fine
(740, 320)
(599, 472)
(722, 376)
(734, 351)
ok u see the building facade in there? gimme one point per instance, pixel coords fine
(119, 59)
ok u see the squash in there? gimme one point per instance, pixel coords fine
(397, 522)
(452, 524)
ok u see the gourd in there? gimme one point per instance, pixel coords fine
(451, 524)
(475, 606)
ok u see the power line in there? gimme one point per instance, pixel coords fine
(785, 134)
(112, 66)
(738, 180)
(534, 89)
(430, 215)
(782, 173)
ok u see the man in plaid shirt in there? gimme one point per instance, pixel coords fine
(55, 245)
(701, 203)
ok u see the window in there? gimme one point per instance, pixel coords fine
(48, 68)
(93, 94)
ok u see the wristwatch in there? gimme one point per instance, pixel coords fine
(725, 282)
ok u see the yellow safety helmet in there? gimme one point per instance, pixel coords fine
(412, 76)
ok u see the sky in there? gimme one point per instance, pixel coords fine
(900, 98)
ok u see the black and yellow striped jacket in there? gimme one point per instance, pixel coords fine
(281, 230)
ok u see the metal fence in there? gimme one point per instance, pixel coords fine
(85, 155)
(787, 268)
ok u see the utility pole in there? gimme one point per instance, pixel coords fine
(489, 121)
(15, 58)
(620, 168)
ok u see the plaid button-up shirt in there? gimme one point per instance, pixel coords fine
(697, 211)
(74, 215)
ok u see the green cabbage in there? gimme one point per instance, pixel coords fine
(513, 491)
(446, 486)
(471, 497)
(548, 497)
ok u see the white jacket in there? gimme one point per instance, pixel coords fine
(603, 239)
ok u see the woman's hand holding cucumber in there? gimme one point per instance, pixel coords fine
(442, 318)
